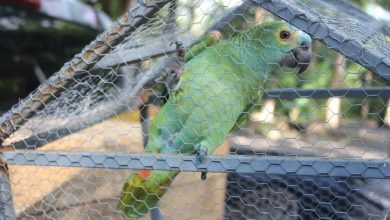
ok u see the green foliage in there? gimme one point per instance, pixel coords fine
(364, 3)
(384, 3)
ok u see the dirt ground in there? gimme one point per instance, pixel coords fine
(77, 193)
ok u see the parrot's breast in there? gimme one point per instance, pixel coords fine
(213, 93)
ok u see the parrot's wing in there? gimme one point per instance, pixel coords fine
(243, 117)
(208, 40)
(245, 114)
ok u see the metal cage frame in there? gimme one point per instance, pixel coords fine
(270, 165)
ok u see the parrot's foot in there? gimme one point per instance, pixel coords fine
(180, 51)
(203, 176)
(172, 74)
(201, 153)
(178, 68)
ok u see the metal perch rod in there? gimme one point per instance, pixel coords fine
(270, 165)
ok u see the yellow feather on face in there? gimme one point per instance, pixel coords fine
(293, 39)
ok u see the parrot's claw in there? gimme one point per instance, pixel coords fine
(178, 43)
(203, 176)
(201, 153)
(172, 74)
(180, 51)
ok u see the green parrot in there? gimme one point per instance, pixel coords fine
(221, 82)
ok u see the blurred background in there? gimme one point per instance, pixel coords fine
(38, 36)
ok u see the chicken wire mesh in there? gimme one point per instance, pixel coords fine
(293, 158)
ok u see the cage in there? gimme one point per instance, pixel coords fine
(314, 146)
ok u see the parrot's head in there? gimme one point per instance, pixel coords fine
(285, 45)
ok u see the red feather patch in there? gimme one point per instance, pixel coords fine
(144, 173)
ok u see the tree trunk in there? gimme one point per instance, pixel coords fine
(366, 104)
(333, 114)
(126, 4)
(384, 115)
(106, 6)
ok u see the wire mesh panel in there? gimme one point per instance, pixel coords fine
(211, 110)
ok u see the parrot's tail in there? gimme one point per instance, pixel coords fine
(143, 190)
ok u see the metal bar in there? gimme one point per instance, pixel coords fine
(80, 64)
(155, 213)
(311, 23)
(7, 210)
(270, 165)
(358, 93)
(135, 55)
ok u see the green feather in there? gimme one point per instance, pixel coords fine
(221, 81)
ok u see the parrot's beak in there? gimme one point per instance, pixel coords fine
(299, 57)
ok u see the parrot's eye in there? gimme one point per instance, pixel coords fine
(285, 35)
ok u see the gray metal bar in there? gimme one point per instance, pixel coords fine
(270, 165)
(309, 22)
(7, 210)
(155, 213)
(135, 55)
(358, 93)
